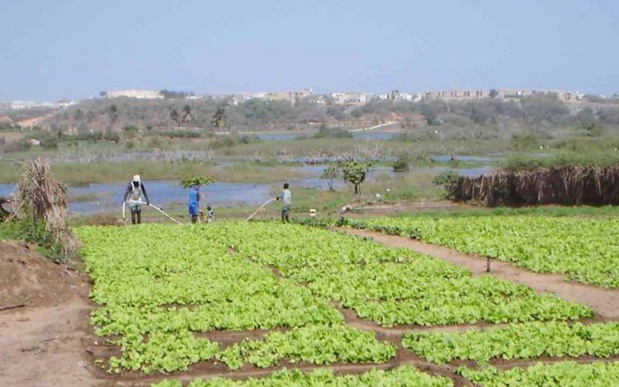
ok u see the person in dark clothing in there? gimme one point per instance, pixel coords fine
(136, 195)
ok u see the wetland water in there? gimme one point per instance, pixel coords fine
(109, 196)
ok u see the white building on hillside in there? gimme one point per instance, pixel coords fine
(139, 94)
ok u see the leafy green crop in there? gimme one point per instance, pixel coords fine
(316, 345)
(405, 376)
(167, 282)
(517, 341)
(560, 374)
(584, 250)
(160, 288)
(397, 286)
(158, 285)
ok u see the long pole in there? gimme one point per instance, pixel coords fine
(160, 210)
(124, 206)
(259, 208)
(153, 206)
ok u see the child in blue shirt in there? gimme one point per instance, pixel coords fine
(194, 203)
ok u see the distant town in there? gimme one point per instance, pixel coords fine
(308, 95)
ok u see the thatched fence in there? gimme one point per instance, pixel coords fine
(41, 197)
(565, 185)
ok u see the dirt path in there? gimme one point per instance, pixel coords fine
(45, 346)
(604, 302)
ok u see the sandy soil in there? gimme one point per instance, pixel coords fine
(44, 346)
(43, 337)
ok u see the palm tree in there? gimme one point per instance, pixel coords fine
(219, 120)
(186, 113)
(174, 116)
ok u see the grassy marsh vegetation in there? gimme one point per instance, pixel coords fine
(127, 137)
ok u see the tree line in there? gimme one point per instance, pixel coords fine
(256, 114)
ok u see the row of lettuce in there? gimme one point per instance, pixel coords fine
(163, 289)
(561, 374)
(583, 250)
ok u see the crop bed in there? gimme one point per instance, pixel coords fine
(244, 297)
(583, 250)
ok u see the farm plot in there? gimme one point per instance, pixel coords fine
(398, 286)
(583, 250)
(158, 286)
(244, 297)
(517, 341)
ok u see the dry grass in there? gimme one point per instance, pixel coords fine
(40, 196)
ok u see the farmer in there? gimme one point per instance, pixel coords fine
(136, 195)
(285, 197)
(194, 203)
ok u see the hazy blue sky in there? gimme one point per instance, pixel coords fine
(52, 49)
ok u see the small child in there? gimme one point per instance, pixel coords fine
(210, 216)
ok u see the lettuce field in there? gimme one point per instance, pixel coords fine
(270, 304)
(583, 250)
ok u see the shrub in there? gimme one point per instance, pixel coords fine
(111, 135)
(354, 173)
(325, 132)
(181, 134)
(449, 181)
(524, 141)
(330, 173)
(401, 164)
(49, 142)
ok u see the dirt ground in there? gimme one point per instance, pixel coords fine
(49, 342)
(43, 336)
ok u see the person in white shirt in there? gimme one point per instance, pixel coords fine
(286, 199)
(135, 195)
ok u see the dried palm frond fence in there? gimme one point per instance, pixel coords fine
(565, 185)
(40, 197)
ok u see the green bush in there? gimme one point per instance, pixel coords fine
(49, 143)
(401, 164)
(524, 141)
(181, 134)
(32, 231)
(449, 181)
(325, 132)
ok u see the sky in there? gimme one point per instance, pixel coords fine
(56, 49)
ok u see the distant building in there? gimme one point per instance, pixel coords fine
(290, 96)
(249, 96)
(455, 94)
(139, 94)
(502, 94)
(63, 103)
(21, 105)
(349, 98)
